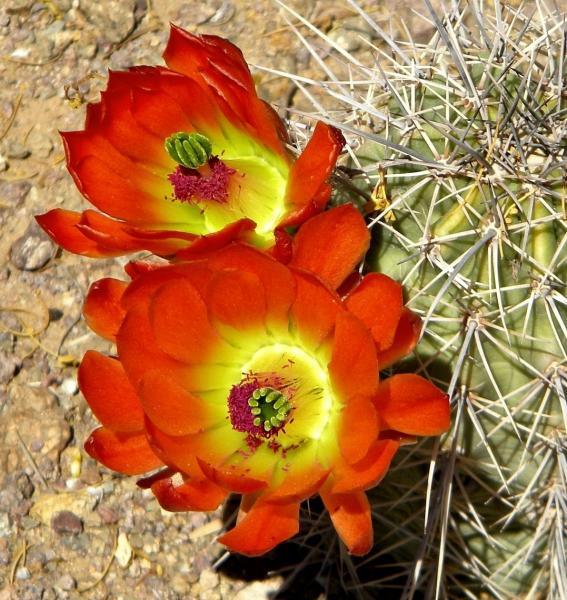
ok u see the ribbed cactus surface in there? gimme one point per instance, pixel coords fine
(463, 163)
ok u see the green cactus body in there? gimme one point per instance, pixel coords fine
(479, 239)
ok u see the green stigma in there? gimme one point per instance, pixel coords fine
(269, 407)
(192, 150)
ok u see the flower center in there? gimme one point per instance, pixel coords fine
(269, 407)
(199, 175)
(257, 408)
(284, 399)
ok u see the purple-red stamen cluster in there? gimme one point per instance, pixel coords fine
(190, 185)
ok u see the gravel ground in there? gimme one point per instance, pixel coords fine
(68, 527)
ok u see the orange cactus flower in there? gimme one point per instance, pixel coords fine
(237, 373)
(183, 159)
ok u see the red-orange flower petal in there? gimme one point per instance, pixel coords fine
(315, 309)
(352, 518)
(127, 453)
(299, 482)
(112, 182)
(172, 408)
(61, 225)
(277, 281)
(232, 479)
(178, 316)
(176, 493)
(141, 291)
(353, 367)
(138, 351)
(237, 299)
(212, 447)
(377, 302)
(307, 190)
(410, 404)
(407, 336)
(102, 309)
(93, 234)
(359, 428)
(331, 244)
(239, 230)
(265, 526)
(108, 392)
(116, 236)
(367, 472)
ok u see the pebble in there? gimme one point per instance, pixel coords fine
(66, 582)
(14, 193)
(9, 366)
(4, 552)
(40, 144)
(123, 552)
(88, 51)
(17, 150)
(66, 522)
(23, 573)
(35, 558)
(349, 40)
(33, 250)
(108, 515)
(69, 386)
(24, 485)
(208, 580)
(259, 590)
(27, 522)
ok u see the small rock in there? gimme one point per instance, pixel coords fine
(24, 485)
(88, 51)
(3, 163)
(107, 515)
(69, 386)
(23, 573)
(349, 40)
(4, 552)
(35, 558)
(30, 590)
(55, 27)
(123, 551)
(208, 580)
(27, 522)
(66, 522)
(9, 366)
(14, 193)
(259, 590)
(17, 150)
(33, 250)
(66, 582)
(5, 525)
(180, 585)
(40, 144)
(37, 445)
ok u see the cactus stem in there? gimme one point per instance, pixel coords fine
(455, 270)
